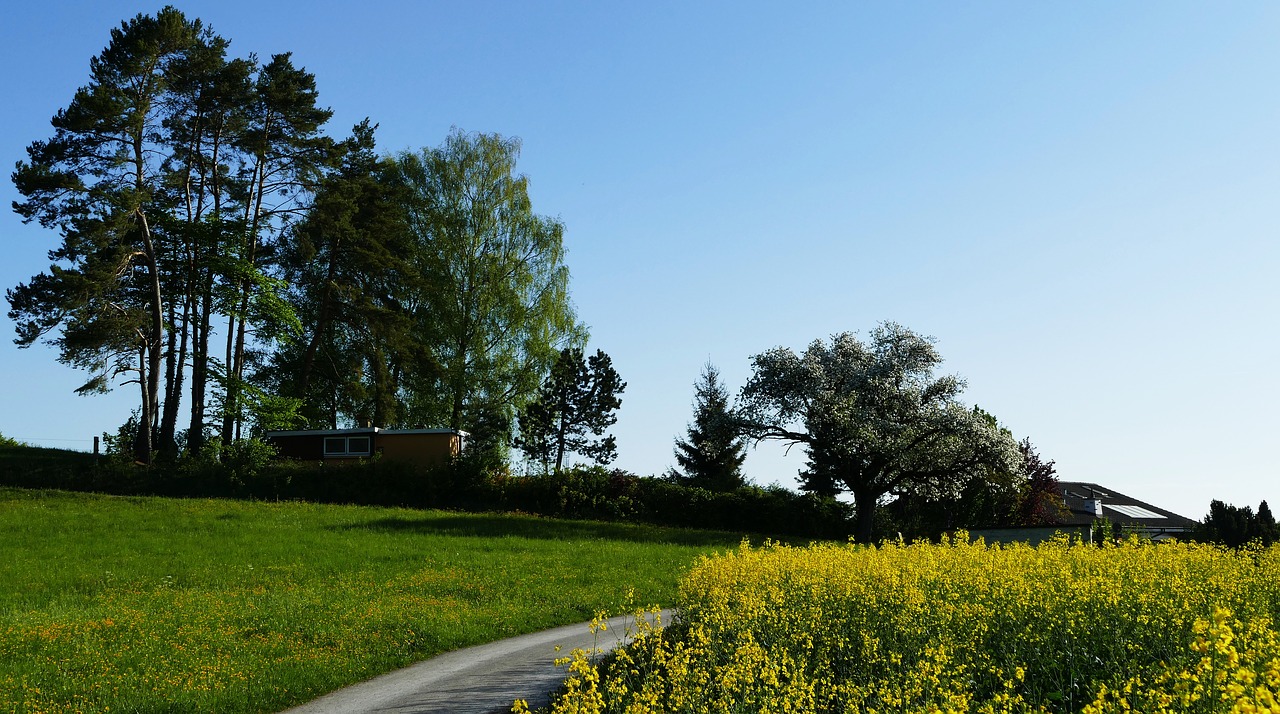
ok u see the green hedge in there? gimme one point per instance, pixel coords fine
(592, 493)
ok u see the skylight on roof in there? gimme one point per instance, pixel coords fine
(1133, 511)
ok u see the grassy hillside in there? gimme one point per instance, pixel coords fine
(149, 605)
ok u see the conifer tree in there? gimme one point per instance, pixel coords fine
(711, 456)
(97, 182)
(573, 409)
(1268, 531)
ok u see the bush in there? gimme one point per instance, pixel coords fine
(248, 469)
(9, 442)
(602, 494)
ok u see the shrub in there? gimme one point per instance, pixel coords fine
(247, 469)
(11, 443)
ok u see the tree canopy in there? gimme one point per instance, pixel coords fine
(1235, 526)
(496, 311)
(170, 177)
(874, 419)
(218, 246)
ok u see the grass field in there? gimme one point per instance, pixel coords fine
(156, 605)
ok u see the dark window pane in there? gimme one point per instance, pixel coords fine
(358, 445)
(335, 445)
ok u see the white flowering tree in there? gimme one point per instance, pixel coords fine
(874, 419)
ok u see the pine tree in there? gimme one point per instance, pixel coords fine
(711, 456)
(98, 182)
(574, 408)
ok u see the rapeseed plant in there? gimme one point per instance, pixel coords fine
(955, 627)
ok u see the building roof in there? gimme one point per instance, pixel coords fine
(365, 430)
(1122, 510)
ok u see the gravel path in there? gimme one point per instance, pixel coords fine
(477, 680)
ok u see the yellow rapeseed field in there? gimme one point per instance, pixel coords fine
(956, 627)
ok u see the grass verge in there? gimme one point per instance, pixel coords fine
(160, 605)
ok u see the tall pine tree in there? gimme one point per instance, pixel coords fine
(712, 455)
(99, 183)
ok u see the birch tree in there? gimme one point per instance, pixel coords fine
(498, 311)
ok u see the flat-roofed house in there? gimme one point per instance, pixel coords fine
(424, 447)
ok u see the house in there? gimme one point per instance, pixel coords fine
(424, 447)
(1088, 502)
(1085, 504)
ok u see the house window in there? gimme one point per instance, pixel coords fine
(348, 446)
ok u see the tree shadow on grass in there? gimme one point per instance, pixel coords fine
(517, 526)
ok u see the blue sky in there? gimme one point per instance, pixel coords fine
(1077, 200)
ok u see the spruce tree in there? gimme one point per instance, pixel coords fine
(711, 456)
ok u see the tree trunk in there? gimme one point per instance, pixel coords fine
(228, 408)
(200, 349)
(142, 442)
(235, 366)
(175, 376)
(865, 520)
(200, 370)
(458, 386)
(164, 438)
(322, 322)
(151, 346)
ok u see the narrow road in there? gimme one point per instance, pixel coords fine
(484, 679)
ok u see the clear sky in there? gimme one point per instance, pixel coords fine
(1077, 200)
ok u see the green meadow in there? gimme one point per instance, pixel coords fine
(164, 605)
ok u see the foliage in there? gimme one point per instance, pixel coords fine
(497, 308)
(874, 419)
(711, 456)
(572, 411)
(196, 195)
(1236, 526)
(10, 442)
(612, 494)
(1029, 496)
(956, 627)
(96, 183)
(157, 177)
(207, 605)
(244, 470)
(119, 445)
(1040, 498)
(242, 459)
(351, 279)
